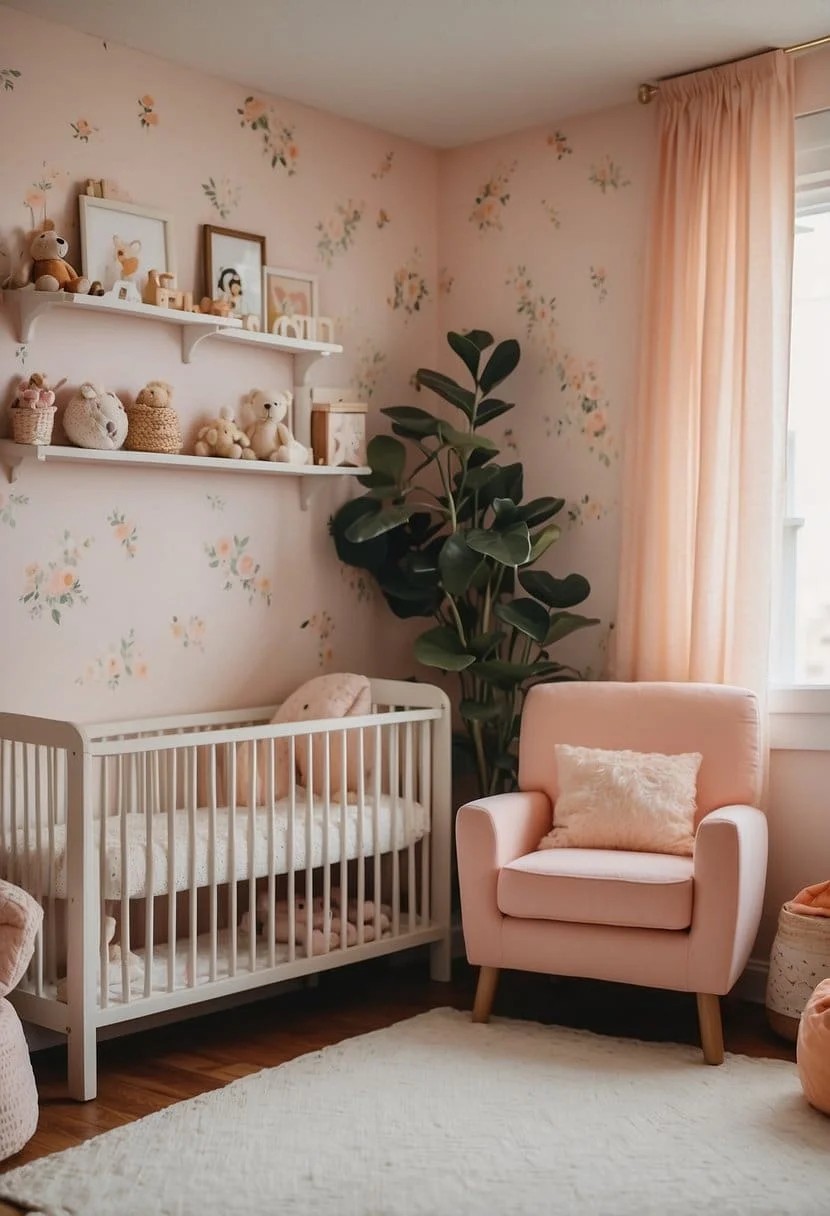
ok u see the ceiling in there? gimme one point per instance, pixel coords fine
(445, 72)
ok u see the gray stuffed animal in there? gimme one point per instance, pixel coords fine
(95, 418)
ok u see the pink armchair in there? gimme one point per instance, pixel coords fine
(686, 923)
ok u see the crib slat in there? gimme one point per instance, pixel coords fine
(252, 810)
(344, 863)
(309, 841)
(326, 858)
(213, 915)
(172, 803)
(25, 865)
(52, 796)
(231, 767)
(192, 890)
(376, 877)
(394, 786)
(425, 797)
(408, 796)
(146, 806)
(361, 844)
(40, 753)
(292, 864)
(103, 951)
(270, 929)
(124, 778)
(15, 827)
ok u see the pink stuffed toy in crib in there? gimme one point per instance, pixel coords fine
(376, 921)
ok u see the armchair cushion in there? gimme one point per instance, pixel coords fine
(642, 801)
(599, 887)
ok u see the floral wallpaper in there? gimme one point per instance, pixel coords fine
(130, 591)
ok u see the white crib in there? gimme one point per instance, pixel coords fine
(141, 823)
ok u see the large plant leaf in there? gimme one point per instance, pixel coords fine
(555, 592)
(387, 456)
(510, 675)
(480, 711)
(368, 526)
(540, 509)
(463, 398)
(506, 512)
(483, 643)
(509, 547)
(508, 484)
(542, 540)
(365, 555)
(459, 565)
(466, 350)
(411, 422)
(477, 479)
(479, 337)
(563, 623)
(464, 441)
(442, 648)
(528, 616)
(500, 364)
(492, 408)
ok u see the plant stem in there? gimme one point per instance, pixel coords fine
(481, 762)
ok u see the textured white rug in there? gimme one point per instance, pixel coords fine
(437, 1117)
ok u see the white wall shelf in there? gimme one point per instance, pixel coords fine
(309, 477)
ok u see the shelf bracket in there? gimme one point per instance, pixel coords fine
(192, 335)
(11, 463)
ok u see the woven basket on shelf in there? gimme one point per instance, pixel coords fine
(32, 425)
(153, 428)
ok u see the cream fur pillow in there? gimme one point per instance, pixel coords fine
(642, 801)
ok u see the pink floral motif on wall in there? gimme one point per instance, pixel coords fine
(147, 114)
(383, 218)
(239, 568)
(21, 354)
(9, 78)
(9, 506)
(358, 583)
(189, 633)
(222, 195)
(492, 198)
(82, 130)
(217, 502)
(552, 213)
(608, 175)
(538, 311)
(125, 532)
(599, 282)
(587, 509)
(339, 231)
(120, 663)
(445, 281)
(37, 196)
(278, 138)
(56, 587)
(409, 287)
(559, 142)
(509, 439)
(370, 367)
(585, 410)
(321, 626)
(384, 167)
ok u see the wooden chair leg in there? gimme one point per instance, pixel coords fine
(488, 978)
(711, 1029)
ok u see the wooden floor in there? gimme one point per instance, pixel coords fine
(146, 1072)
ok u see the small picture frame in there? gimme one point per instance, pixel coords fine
(123, 242)
(288, 293)
(234, 263)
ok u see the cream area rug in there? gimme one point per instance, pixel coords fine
(438, 1117)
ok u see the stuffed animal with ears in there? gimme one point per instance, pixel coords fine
(45, 265)
(271, 439)
(95, 418)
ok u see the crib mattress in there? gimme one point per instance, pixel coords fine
(158, 862)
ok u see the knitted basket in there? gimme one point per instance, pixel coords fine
(32, 426)
(153, 428)
(800, 959)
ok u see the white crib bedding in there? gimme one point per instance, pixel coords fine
(400, 822)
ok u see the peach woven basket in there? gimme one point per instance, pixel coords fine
(32, 425)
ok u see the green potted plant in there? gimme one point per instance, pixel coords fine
(446, 535)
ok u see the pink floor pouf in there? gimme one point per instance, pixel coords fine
(813, 1050)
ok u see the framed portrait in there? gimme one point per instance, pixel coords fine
(287, 293)
(233, 269)
(122, 242)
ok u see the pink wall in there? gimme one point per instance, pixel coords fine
(151, 609)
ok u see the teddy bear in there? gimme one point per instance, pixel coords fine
(374, 914)
(45, 265)
(222, 437)
(302, 910)
(154, 424)
(270, 438)
(95, 418)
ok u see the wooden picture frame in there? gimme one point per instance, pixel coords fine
(288, 293)
(233, 263)
(123, 242)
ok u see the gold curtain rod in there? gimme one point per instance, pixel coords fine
(646, 92)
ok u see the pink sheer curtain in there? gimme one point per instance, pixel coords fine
(705, 443)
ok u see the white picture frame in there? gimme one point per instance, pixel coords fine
(295, 289)
(122, 242)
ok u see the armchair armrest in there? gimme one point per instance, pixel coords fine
(730, 871)
(489, 833)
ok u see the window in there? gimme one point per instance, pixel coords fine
(804, 611)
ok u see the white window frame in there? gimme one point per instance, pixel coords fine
(799, 713)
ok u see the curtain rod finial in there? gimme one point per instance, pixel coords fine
(646, 93)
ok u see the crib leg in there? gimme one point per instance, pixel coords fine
(440, 960)
(83, 1072)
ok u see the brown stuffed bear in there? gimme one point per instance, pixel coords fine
(46, 265)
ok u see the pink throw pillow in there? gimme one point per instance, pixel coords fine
(813, 1048)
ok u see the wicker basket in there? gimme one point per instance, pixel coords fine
(153, 428)
(32, 425)
(800, 959)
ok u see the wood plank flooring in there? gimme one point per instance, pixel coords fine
(143, 1073)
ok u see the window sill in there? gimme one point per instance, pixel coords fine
(800, 718)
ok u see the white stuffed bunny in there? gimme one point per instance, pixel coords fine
(95, 418)
(271, 439)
